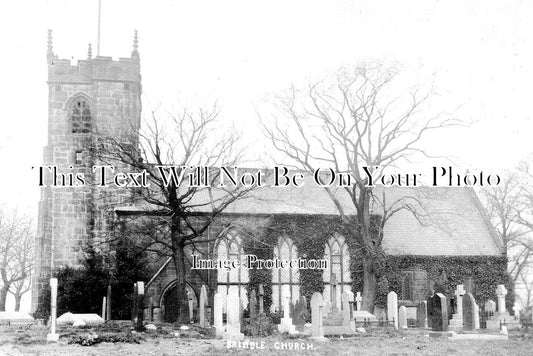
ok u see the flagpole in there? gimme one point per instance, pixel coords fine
(99, 18)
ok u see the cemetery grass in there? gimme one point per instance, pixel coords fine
(197, 341)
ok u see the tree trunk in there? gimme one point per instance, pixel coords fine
(181, 285)
(370, 284)
(370, 251)
(3, 296)
(18, 297)
(178, 252)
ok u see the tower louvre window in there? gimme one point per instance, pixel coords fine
(81, 116)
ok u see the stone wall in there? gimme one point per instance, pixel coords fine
(71, 216)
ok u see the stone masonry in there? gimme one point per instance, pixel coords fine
(70, 216)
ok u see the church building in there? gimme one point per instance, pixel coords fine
(289, 223)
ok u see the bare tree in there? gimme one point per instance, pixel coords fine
(16, 257)
(352, 121)
(510, 207)
(181, 212)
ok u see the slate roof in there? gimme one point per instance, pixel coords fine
(457, 223)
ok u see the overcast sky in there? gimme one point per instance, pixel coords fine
(480, 53)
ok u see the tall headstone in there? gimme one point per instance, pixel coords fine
(502, 316)
(53, 336)
(139, 306)
(253, 305)
(402, 317)
(108, 301)
(476, 317)
(347, 310)
(217, 317)
(333, 288)
(317, 329)
(456, 323)
(233, 310)
(439, 312)
(422, 314)
(358, 300)
(286, 324)
(261, 301)
(468, 304)
(392, 308)
(104, 307)
(501, 292)
(203, 304)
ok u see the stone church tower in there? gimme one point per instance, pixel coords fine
(97, 97)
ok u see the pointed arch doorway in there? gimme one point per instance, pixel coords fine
(169, 301)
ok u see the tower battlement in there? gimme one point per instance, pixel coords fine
(100, 68)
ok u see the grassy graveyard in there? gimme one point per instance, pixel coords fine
(115, 339)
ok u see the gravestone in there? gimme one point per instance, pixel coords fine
(286, 324)
(217, 317)
(53, 336)
(139, 310)
(392, 308)
(402, 317)
(300, 311)
(203, 305)
(233, 308)
(317, 329)
(333, 288)
(104, 307)
(347, 310)
(261, 302)
(476, 317)
(502, 316)
(439, 312)
(422, 314)
(190, 308)
(501, 292)
(253, 305)
(358, 300)
(456, 323)
(108, 301)
(468, 312)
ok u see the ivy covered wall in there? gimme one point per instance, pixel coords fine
(310, 233)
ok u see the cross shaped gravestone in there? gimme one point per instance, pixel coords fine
(333, 287)
(358, 300)
(261, 305)
(501, 292)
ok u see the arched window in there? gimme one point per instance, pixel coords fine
(230, 248)
(285, 281)
(80, 116)
(338, 268)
